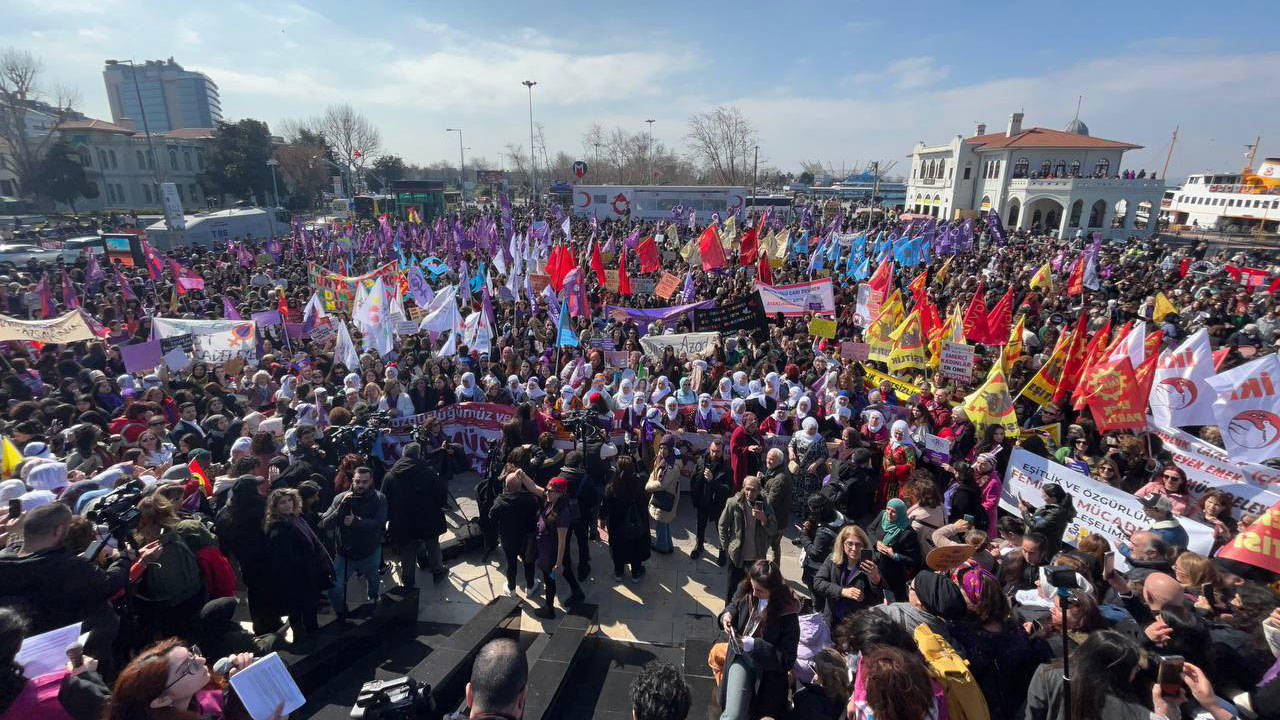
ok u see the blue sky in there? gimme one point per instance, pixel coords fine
(840, 82)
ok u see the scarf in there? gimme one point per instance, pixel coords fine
(893, 528)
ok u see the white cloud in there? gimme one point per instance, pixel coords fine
(916, 72)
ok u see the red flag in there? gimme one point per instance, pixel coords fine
(624, 281)
(882, 278)
(1075, 284)
(199, 474)
(1146, 372)
(999, 319)
(930, 320)
(559, 264)
(1273, 287)
(1075, 359)
(765, 273)
(1257, 543)
(710, 249)
(648, 252)
(975, 317)
(917, 285)
(1184, 266)
(282, 304)
(749, 249)
(1112, 395)
(597, 262)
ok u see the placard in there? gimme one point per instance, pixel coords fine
(667, 286)
(956, 361)
(64, 329)
(798, 298)
(746, 314)
(868, 306)
(694, 344)
(858, 351)
(822, 327)
(937, 449)
(142, 357)
(1208, 467)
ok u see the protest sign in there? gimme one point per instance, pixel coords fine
(1208, 467)
(937, 449)
(798, 298)
(956, 361)
(902, 388)
(611, 280)
(869, 301)
(822, 327)
(406, 327)
(643, 285)
(323, 332)
(1100, 509)
(644, 316)
(746, 314)
(617, 359)
(213, 341)
(694, 344)
(667, 286)
(141, 357)
(1258, 544)
(850, 350)
(471, 425)
(64, 329)
(539, 282)
(337, 292)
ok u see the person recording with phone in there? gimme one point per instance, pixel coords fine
(849, 579)
(746, 527)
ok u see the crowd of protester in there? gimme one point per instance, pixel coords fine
(802, 450)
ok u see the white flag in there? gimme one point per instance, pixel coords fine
(314, 307)
(1180, 392)
(1134, 345)
(476, 333)
(345, 351)
(565, 228)
(442, 314)
(1247, 409)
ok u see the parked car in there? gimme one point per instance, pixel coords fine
(74, 247)
(21, 254)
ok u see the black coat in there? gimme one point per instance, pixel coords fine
(827, 584)
(240, 534)
(967, 500)
(293, 567)
(416, 498)
(710, 496)
(773, 652)
(894, 573)
(613, 511)
(516, 516)
(54, 588)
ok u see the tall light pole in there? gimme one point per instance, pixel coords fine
(649, 153)
(533, 175)
(275, 191)
(462, 184)
(146, 128)
(755, 169)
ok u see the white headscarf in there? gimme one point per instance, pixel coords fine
(875, 420)
(900, 425)
(808, 432)
(533, 390)
(794, 396)
(740, 384)
(626, 392)
(737, 409)
(704, 407)
(803, 406)
(671, 410)
(773, 383)
(662, 390)
(724, 390)
(756, 389)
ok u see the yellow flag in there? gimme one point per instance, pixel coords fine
(941, 275)
(729, 235)
(1013, 348)
(778, 252)
(1042, 278)
(690, 251)
(1163, 307)
(173, 301)
(672, 233)
(880, 333)
(991, 403)
(10, 456)
(1040, 388)
(908, 345)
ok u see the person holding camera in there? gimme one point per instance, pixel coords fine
(360, 517)
(746, 526)
(416, 499)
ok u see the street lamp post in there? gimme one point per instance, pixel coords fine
(649, 153)
(755, 169)
(533, 175)
(146, 128)
(462, 184)
(275, 191)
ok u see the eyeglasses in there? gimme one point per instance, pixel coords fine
(189, 667)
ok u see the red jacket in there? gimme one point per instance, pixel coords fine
(219, 578)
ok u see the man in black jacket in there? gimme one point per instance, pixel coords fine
(360, 516)
(54, 587)
(416, 498)
(710, 486)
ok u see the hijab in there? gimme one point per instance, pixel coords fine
(704, 406)
(808, 434)
(773, 384)
(803, 406)
(662, 390)
(671, 410)
(685, 394)
(725, 389)
(737, 410)
(895, 527)
(900, 425)
(532, 389)
(740, 384)
(626, 393)
(875, 421)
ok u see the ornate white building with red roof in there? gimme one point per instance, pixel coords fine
(1057, 181)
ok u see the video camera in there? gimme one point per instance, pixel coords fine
(584, 424)
(118, 511)
(402, 699)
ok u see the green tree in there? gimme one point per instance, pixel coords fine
(61, 178)
(806, 178)
(388, 169)
(236, 162)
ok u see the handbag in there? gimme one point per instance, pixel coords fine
(664, 501)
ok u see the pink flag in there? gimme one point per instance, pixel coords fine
(69, 292)
(47, 309)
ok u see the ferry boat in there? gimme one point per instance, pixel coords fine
(1244, 201)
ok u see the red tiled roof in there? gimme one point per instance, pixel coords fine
(92, 124)
(1044, 137)
(188, 133)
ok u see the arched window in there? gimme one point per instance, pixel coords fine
(86, 157)
(1013, 214)
(112, 155)
(1096, 213)
(1060, 169)
(1103, 168)
(1021, 168)
(942, 167)
(1075, 168)
(1077, 209)
(173, 159)
(996, 170)
(1044, 168)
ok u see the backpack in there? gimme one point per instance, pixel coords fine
(965, 700)
(174, 576)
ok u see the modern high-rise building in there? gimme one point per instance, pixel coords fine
(171, 98)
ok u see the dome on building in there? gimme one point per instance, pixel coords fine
(1076, 127)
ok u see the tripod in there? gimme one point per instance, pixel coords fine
(1064, 600)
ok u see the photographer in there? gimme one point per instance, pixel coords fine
(54, 587)
(360, 516)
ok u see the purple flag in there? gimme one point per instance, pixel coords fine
(47, 309)
(229, 311)
(688, 286)
(69, 292)
(125, 289)
(93, 275)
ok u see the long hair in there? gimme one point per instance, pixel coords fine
(624, 483)
(156, 514)
(837, 552)
(12, 629)
(898, 686)
(1101, 666)
(831, 673)
(769, 575)
(273, 500)
(143, 680)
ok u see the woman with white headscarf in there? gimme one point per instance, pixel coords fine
(518, 395)
(840, 414)
(672, 420)
(778, 423)
(773, 386)
(899, 462)
(661, 389)
(705, 418)
(288, 388)
(633, 414)
(740, 384)
(685, 394)
(794, 395)
(737, 412)
(468, 391)
(532, 390)
(808, 451)
(626, 393)
(804, 408)
(724, 389)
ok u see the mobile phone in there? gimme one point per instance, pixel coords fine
(1209, 593)
(1108, 564)
(758, 505)
(864, 555)
(968, 519)
(1169, 675)
(15, 508)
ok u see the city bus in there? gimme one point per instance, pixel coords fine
(372, 206)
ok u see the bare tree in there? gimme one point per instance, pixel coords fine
(305, 177)
(354, 140)
(722, 141)
(23, 139)
(514, 153)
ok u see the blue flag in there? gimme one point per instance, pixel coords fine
(863, 271)
(565, 336)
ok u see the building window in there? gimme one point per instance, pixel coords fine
(151, 160)
(967, 170)
(942, 166)
(191, 190)
(186, 159)
(112, 154)
(1060, 170)
(173, 159)
(1103, 168)
(997, 169)
(1075, 168)
(102, 159)
(120, 192)
(86, 157)
(1021, 168)
(199, 160)
(1044, 168)
(1096, 213)
(1077, 209)
(146, 191)
(111, 192)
